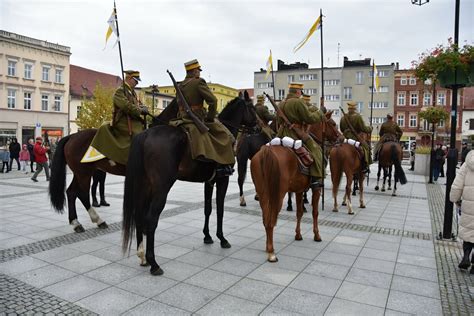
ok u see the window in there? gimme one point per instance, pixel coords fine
(28, 71)
(310, 91)
(427, 98)
(383, 73)
(166, 103)
(471, 124)
(59, 76)
(403, 80)
(332, 82)
(360, 105)
(281, 94)
(27, 100)
(441, 98)
(57, 103)
(331, 97)
(414, 98)
(413, 120)
(78, 110)
(291, 78)
(347, 93)
(426, 125)
(441, 123)
(11, 68)
(412, 81)
(378, 120)
(401, 120)
(307, 77)
(11, 98)
(264, 85)
(360, 77)
(45, 73)
(44, 102)
(401, 98)
(379, 105)
(381, 89)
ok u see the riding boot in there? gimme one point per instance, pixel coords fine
(467, 248)
(103, 202)
(316, 183)
(94, 202)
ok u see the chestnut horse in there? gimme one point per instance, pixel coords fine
(345, 158)
(390, 155)
(275, 171)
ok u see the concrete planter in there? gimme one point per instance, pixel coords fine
(422, 164)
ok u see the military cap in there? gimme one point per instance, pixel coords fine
(193, 64)
(389, 116)
(296, 85)
(351, 105)
(260, 97)
(307, 98)
(133, 73)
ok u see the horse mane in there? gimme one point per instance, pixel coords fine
(229, 109)
(168, 113)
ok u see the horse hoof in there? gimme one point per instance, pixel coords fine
(272, 257)
(354, 194)
(305, 201)
(243, 204)
(350, 213)
(225, 244)
(317, 238)
(103, 225)
(156, 271)
(376, 188)
(208, 240)
(79, 229)
(383, 190)
(298, 237)
(289, 209)
(389, 188)
(344, 204)
(242, 201)
(144, 264)
(394, 194)
(362, 206)
(335, 210)
(256, 197)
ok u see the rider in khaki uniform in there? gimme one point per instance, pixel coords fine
(359, 126)
(216, 144)
(298, 114)
(113, 140)
(265, 116)
(389, 132)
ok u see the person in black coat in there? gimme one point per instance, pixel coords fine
(464, 152)
(439, 156)
(14, 149)
(30, 147)
(98, 178)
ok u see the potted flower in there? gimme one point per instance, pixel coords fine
(434, 114)
(422, 160)
(450, 65)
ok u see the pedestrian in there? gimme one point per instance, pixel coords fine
(462, 189)
(30, 147)
(53, 145)
(14, 153)
(40, 159)
(437, 162)
(99, 178)
(5, 155)
(443, 162)
(412, 156)
(464, 152)
(24, 158)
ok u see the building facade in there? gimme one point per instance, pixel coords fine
(468, 115)
(34, 88)
(411, 97)
(224, 94)
(155, 100)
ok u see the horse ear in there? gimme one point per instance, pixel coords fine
(240, 95)
(246, 95)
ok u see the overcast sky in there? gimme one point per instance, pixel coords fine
(230, 38)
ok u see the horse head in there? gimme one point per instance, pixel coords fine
(328, 126)
(239, 113)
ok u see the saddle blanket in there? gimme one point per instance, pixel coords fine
(286, 142)
(92, 155)
(352, 142)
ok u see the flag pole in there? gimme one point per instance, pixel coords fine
(371, 110)
(273, 78)
(322, 107)
(119, 43)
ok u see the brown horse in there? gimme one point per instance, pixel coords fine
(390, 155)
(345, 158)
(275, 171)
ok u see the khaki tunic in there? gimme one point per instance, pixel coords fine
(215, 145)
(265, 116)
(359, 126)
(297, 112)
(389, 131)
(113, 139)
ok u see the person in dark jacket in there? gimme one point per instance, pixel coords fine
(464, 152)
(31, 146)
(99, 179)
(14, 153)
(439, 156)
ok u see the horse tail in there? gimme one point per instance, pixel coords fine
(270, 174)
(57, 182)
(336, 171)
(132, 189)
(399, 173)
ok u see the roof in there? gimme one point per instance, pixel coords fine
(83, 81)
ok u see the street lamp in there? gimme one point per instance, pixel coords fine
(154, 91)
(419, 2)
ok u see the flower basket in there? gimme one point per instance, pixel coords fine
(462, 77)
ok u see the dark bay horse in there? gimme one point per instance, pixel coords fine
(344, 158)
(275, 171)
(390, 155)
(158, 157)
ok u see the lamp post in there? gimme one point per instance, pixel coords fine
(154, 90)
(419, 2)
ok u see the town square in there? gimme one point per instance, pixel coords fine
(250, 157)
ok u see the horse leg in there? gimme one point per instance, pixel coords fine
(348, 192)
(84, 185)
(71, 194)
(344, 199)
(335, 187)
(140, 248)
(378, 178)
(315, 203)
(271, 257)
(242, 170)
(361, 191)
(394, 193)
(221, 184)
(355, 188)
(299, 215)
(151, 219)
(289, 208)
(389, 178)
(305, 197)
(208, 190)
(384, 179)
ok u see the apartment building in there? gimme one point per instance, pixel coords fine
(34, 87)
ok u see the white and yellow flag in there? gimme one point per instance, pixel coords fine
(316, 26)
(376, 79)
(269, 65)
(111, 29)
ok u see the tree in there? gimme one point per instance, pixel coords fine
(98, 109)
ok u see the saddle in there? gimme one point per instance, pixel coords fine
(303, 156)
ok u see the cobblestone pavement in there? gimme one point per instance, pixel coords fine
(383, 260)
